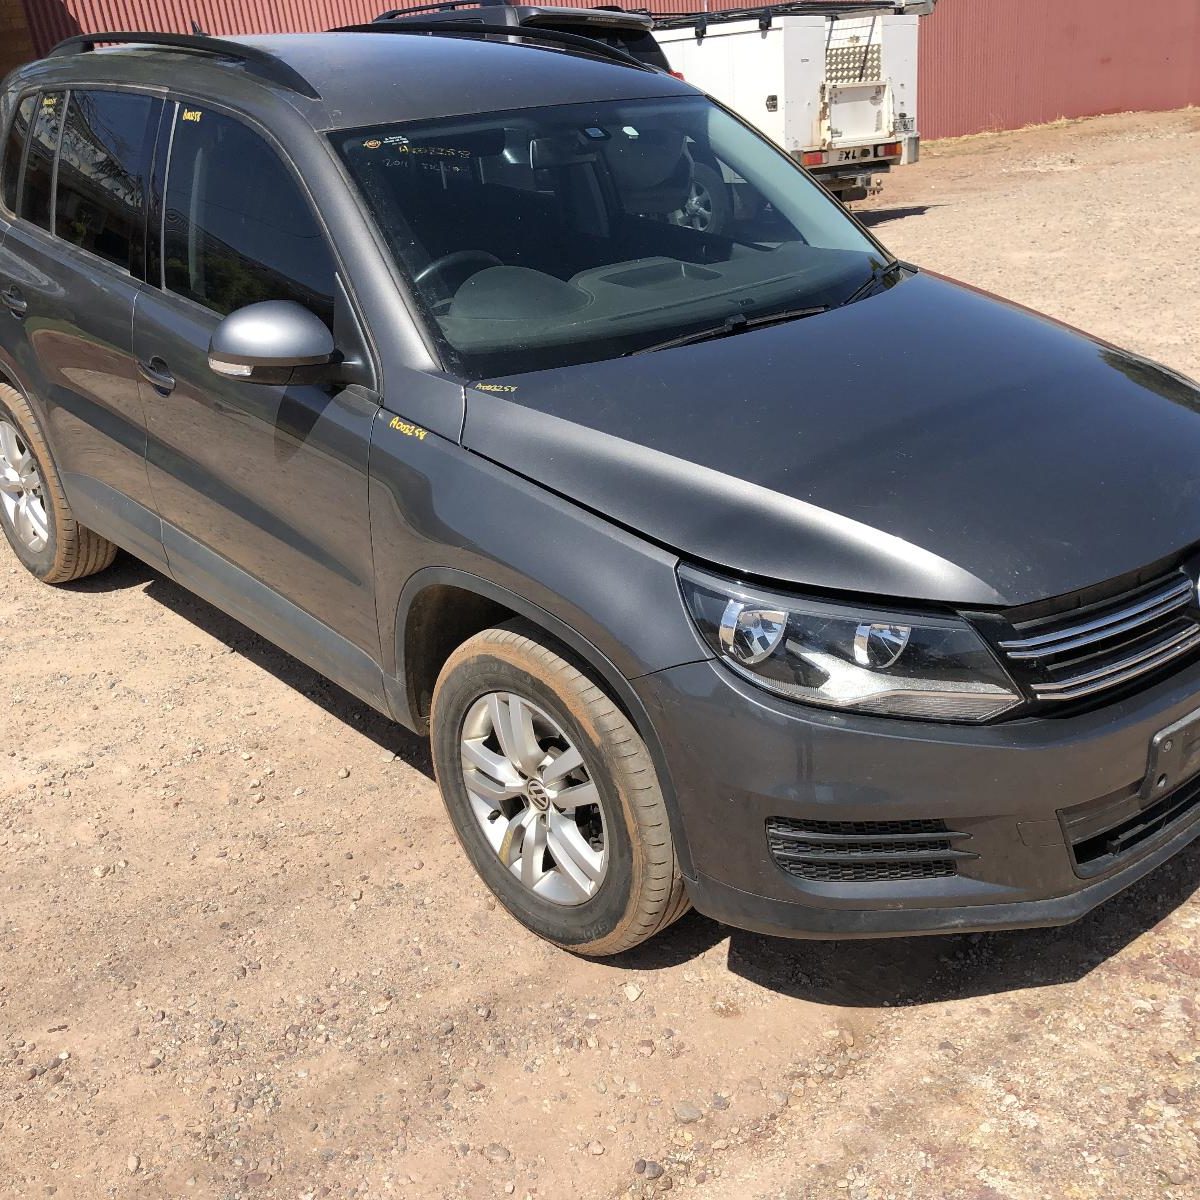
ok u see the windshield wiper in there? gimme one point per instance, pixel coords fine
(737, 323)
(878, 275)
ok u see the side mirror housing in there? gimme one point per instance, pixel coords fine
(273, 341)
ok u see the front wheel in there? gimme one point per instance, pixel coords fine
(553, 794)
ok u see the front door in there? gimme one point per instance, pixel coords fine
(262, 490)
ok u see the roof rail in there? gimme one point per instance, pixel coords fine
(517, 12)
(528, 33)
(442, 6)
(258, 62)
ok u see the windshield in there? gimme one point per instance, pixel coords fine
(573, 233)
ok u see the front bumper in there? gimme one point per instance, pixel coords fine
(739, 758)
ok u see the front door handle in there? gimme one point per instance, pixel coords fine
(14, 301)
(158, 375)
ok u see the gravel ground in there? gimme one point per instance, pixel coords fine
(241, 955)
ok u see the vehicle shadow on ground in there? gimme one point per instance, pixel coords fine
(905, 972)
(880, 216)
(128, 572)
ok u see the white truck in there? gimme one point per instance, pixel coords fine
(834, 84)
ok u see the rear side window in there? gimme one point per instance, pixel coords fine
(14, 148)
(101, 172)
(37, 185)
(238, 228)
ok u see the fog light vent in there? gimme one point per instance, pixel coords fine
(865, 851)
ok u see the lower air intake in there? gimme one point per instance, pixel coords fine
(865, 851)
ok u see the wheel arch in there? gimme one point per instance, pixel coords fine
(441, 607)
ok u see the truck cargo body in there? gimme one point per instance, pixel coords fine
(837, 90)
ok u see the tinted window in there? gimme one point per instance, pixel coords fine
(14, 147)
(39, 164)
(101, 168)
(238, 227)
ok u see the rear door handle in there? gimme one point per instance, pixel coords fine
(14, 301)
(158, 375)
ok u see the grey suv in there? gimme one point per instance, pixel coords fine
(752, 569)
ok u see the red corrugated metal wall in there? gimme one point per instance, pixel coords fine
(1002, 64)
(985, 64)
(52, 20)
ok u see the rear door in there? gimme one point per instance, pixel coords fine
(262, 490)
(68, 277)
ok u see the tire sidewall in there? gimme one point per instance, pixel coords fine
(722, 207)
(568, 926)
(39, 563)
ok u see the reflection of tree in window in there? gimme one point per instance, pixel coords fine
(100, 188)
(15, 148)
(238, 229)
(39, 161)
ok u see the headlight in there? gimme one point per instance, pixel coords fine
(869, 660)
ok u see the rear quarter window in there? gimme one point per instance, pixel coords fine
(14, 151)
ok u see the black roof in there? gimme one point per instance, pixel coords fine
(365, 78)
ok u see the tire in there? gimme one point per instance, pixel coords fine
(709, 208)
(638, 890)
(68, 550)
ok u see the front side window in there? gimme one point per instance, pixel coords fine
(237, 226)
(101, 172)
(572, 233)
(14, 150)
(38, 182)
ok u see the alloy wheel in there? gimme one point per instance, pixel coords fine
(697, 212)
(533, 798)
(21, 493)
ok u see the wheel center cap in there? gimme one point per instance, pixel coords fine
(539, 797)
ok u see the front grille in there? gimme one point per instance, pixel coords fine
(865, 851)
(1105, 646)
(1102, 831)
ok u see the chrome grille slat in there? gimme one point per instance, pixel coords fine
(1176, 596)
(1122, 671)
(1107, 645)
(1095, 631)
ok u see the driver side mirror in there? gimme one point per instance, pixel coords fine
(273, 341)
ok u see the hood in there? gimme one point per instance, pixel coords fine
(931, 442)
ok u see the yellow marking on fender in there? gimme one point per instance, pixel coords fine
(495, 387)
(408, 429)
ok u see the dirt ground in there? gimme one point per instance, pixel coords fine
(241, 954)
